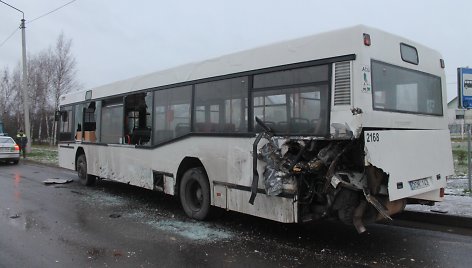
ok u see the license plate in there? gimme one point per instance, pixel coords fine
(419, 184)
(4, 149)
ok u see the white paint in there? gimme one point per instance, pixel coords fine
(219, 196)
(407, 155)
(269, 207)
(169, 185)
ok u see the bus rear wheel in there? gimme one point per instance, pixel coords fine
(195, 194)
(84, 177)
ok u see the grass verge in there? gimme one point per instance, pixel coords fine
(44, 154)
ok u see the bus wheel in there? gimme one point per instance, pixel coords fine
(84, 178)
(195, 194)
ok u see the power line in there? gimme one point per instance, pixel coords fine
(13, 8)
(10, 36)
(54, 10)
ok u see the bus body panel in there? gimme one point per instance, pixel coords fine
(224, 158)
(416, 161)
(66, 155)
(386, 48)
(269, 207)
(230, 164)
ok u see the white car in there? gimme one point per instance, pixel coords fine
(9, 150)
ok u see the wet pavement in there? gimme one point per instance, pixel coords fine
(457, 200)
(118, 225)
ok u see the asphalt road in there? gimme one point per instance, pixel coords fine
(116, 225)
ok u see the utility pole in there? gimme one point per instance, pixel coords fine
(24, 84)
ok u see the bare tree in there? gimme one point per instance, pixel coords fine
(16, 101)
(6, 93)
(7, 96)
(51, 73)
(63, 79)
(40, 70)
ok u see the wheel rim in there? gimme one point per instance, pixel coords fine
(194, 195)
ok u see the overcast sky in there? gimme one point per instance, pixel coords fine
(118, 39)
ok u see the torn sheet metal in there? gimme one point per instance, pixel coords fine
(57, 181)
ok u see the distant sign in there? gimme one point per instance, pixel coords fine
(464, 86)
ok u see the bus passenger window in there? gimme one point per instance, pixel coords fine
(112, 121)
(293, 101)
(171, 113)
(221, 106)
(65, 124)
(138, 123)
(90, 124)
(79, 114)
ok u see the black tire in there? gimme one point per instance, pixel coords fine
(84, 177)
(15, 162)
(345, 203)
(195, 194)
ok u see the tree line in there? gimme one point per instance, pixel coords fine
(50, 73)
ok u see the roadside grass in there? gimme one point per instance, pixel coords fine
(44, 154)
(459, 155)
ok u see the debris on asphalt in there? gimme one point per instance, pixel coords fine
(114, 216)
(57, 181)
(76, 192)
(197, 231)
(14, 216)
(439, 211)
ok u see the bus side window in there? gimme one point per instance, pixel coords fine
(221, 106)
(90, 124)
(171, 113)
(137, 125)
(111, 120)
(65, 124)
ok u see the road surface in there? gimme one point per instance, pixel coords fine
(117, 225)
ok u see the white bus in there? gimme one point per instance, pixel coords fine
(348, 124)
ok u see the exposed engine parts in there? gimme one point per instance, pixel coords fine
(328, 178)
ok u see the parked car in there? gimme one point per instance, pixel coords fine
(9, 150)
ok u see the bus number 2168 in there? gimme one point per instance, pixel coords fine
(372, 137)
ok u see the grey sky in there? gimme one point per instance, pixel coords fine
(118, 39)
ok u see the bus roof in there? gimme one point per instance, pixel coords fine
(320, 46)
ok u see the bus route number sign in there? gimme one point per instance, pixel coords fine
(372, 137)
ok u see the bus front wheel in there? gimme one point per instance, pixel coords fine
(84, 177)
(195, 194)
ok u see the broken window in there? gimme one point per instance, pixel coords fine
(221, 106)
(138, 123)
(65, 124)
(172, 113)
(79, 113)
(90, 122)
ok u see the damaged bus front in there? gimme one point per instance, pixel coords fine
(393, 149)
(359, 180)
